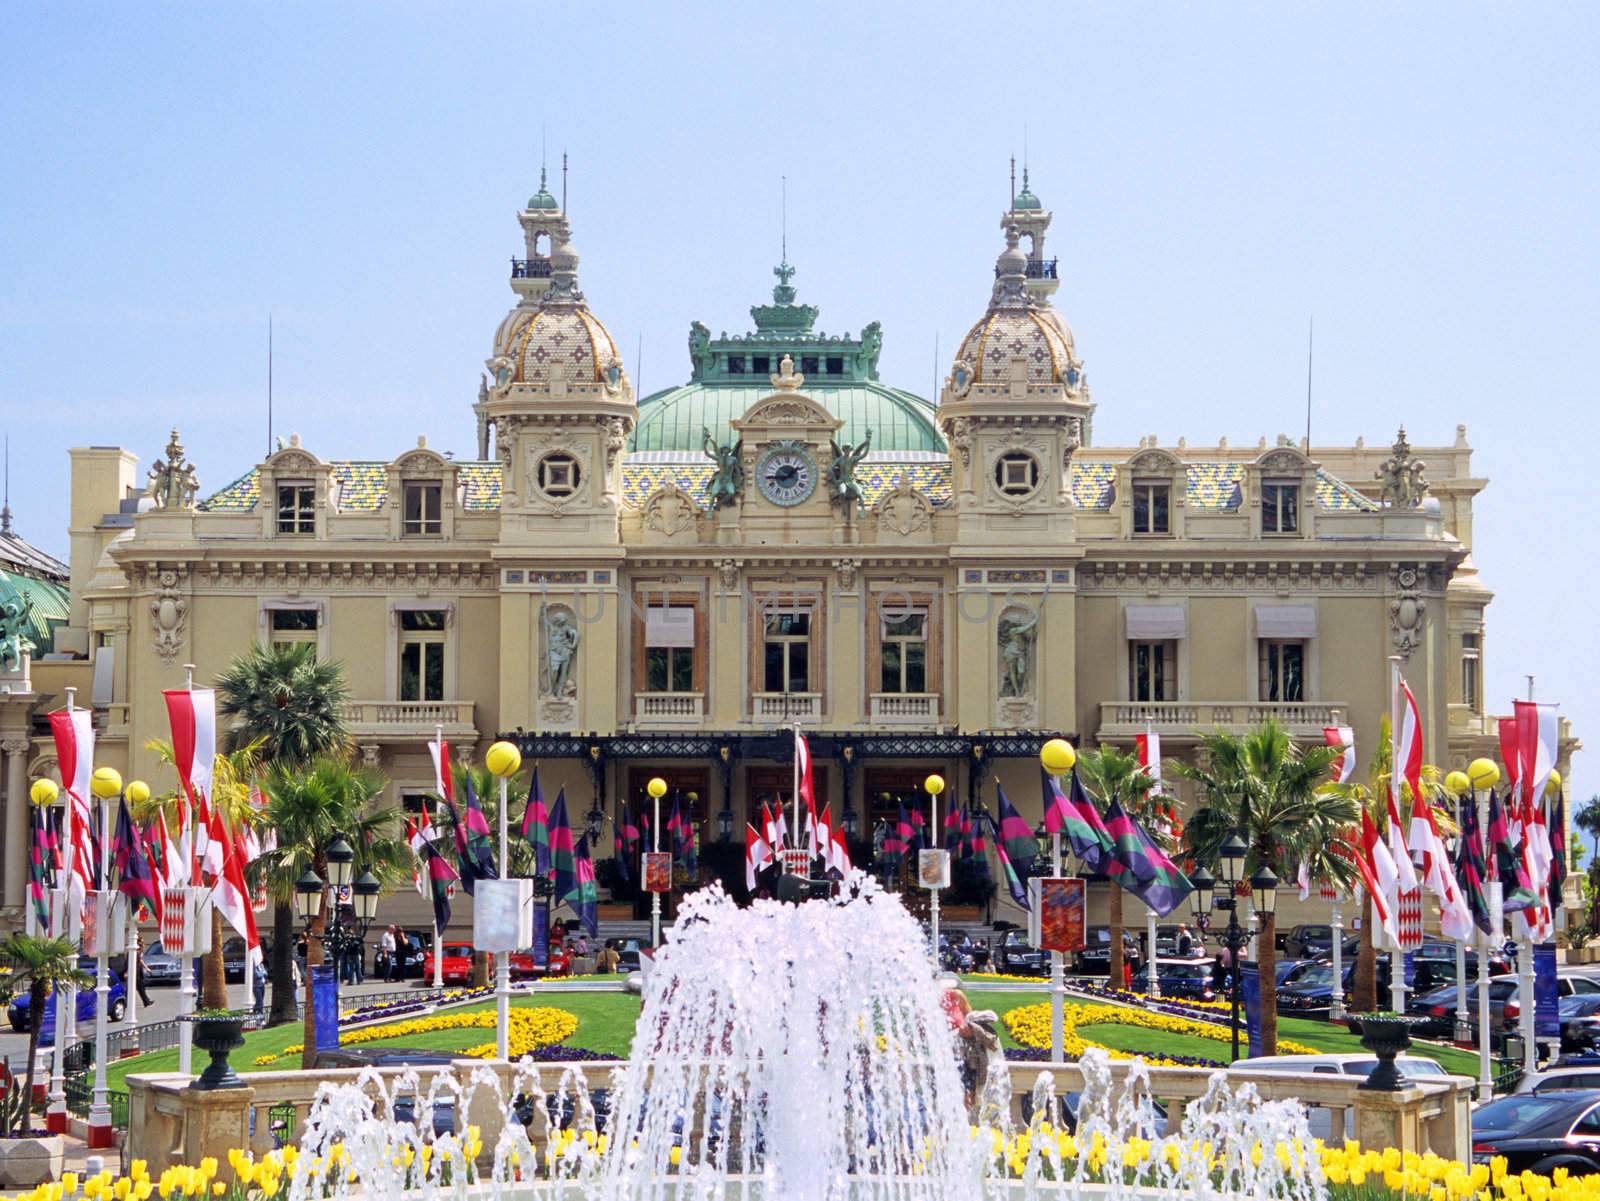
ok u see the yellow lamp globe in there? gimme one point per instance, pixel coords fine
(105, 783)
(44, 792)
(503, 759)
(1457, 783)
(137, 792)
(1553, 784)
(934, 784)
(657, 787)
(1483, 773)
(1057, 756)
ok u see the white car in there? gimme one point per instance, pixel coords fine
(1350, 1063)
(1559, 1079)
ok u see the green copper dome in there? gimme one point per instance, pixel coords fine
(542, 198)
(1026, 201)
(729, 374)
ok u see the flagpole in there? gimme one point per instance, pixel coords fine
(796, 793)
(61, 927)
(100, 1104)
(1397, 970)
(438, 934)
(1336, 994)
(1463, 1031)
(502, 959)
(1058, 984)
(186, 992)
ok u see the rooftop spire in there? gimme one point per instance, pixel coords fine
(5, 508)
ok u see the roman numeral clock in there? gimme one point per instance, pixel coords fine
(787, 474)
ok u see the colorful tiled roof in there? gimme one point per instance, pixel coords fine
(480, 486)
(1090, 484)
(1334, 493)
(238, 497)
(1214, 485)
(360, 487)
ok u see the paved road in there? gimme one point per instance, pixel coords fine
(164, 1006)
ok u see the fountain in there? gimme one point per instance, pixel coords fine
(799, 1053)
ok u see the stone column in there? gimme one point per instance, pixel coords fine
(16, 822)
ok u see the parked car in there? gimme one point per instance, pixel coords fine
(1291, 971)
(87, 1005)
(1564, 1077)
(1312, 941)
(1311, 992)
(1016, 957)
(962, 953)
(1095, 958)
(1580, 1022)
(412, 951)
(628, 955)
(1540, 1132)
(1349, 1063)
(160, 967)
(1181, 978)
(456, 965)
(233, 957)
(1435, 1012)
(1569, 982)
(558, 962)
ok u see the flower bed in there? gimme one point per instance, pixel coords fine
(531, 1029)
(1030, 1026)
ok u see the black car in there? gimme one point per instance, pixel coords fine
(233, 957)
(959, 953)
(1580, 1022)
(1015, 957)
(412, 950)
(1095, 958)
(1540, 1132)
(1189, 978)
(1311, 941)
(1312, 991)
(1435, 1012)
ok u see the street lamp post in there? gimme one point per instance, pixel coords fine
(934, 785)
(657, 788)
(309, 894)
(1264, 896)
(1483, 775)
(1057, 758)
(1231, 856)
(105, 784)
(340, 858)
(503, 760)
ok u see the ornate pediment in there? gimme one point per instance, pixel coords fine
(790, 409)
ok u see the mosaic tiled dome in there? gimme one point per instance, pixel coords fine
(1016, 328)
(569, 335)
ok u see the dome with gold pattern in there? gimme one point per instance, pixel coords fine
(1017, 328)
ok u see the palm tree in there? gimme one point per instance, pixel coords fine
(231, 776)
(39, 966)
(294, 704)
(1270, 792)
(308, 807)
(1373, 797)
(1111, 775)
(1587, 819)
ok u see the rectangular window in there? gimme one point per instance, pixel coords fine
(787, 658)
(1471, 671)
(761, 364)
(290, 626)
(1153, 671)
(904, 653)
(1151, 508)
(412, 804)
(1283, 670)
(1280, 508)
(422, 509)
(422, 638)
(808, 364)
(297, 509)
(835, 364)
(736, 364)
(669, 634)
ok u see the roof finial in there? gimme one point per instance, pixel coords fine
(783, 182)
(1013, 181)
(5, 508)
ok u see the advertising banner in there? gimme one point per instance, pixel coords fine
(325, 1006)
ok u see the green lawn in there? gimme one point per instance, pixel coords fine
(605, 1024)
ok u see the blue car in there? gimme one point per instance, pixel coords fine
(116, 1006)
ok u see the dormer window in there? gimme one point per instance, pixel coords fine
(558, 476)
(1280, 507)
(835, 364)
(1152, 507)
(808, 364)
(421, 512)
(736, 364)
(297, 508)
(761, 364)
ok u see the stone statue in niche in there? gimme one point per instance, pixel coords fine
(727, 481)
(1018, 635)
(14, 643)
(560, 650)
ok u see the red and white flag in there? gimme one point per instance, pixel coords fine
(443, 781)
(1148, 746)
(1378, 872)
(1405, 763)
(229, 893)
(808, 794)
(73, 730)
(1303, 879)
(1438, 876)
(772, 831)
(824, 836)
(757, 855)
(192, 713)
(1343, 737)
(839, 854)
(415, 843)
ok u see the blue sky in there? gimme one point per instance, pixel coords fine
(1423, 178)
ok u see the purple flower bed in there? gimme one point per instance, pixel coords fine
(556, 1053)
(1042, 1055)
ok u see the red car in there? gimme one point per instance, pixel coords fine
(457, 963)
(523, 967)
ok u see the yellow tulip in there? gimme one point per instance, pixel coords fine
(69, 1182)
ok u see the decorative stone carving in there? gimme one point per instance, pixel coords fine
(562, 442)
(787, 379)
(847, 574)
(903, 511)
(842, 484)
(1404, 479)
(960, 435)
(169, 613)
(788, 410)
(14, 644)
(559, 625)
(670, 511)
(616, 441)
(502, 370)
(173, 482)
(14, 746)
(728, 574)
(1017, 637)
(727, 481)
(1283, 462)
(369, 754)
(1407, 608)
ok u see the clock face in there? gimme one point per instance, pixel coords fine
(786, 474)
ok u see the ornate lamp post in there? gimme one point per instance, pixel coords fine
(309, 893)
(1057, 758)
(1230, 857)
(1483, 775)
(657, 788)
(933, 786)
(503, 760)
(340, 858)
(106, 785)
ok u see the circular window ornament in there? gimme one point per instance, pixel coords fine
(1016, 474)
(559, 476)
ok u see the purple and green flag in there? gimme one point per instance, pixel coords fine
(627, 839)
(1470, 866)
(1141, 867)
(1079, 819)
(1019, 892)
(909, 831)
(1015, 835)
(1516, 891)
(40, 861)
(135, 880)
(536, 826)
(585, 897)
(440, 877)
(562, 850)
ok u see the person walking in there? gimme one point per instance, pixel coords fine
(258, 980)
(610, 960)
(386, 947)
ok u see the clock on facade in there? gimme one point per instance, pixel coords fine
(786, 474)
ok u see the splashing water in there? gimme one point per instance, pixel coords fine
(800, 1053)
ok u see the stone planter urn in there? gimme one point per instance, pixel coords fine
(217, 1034)
(25, 1162)
(1385, 1037)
